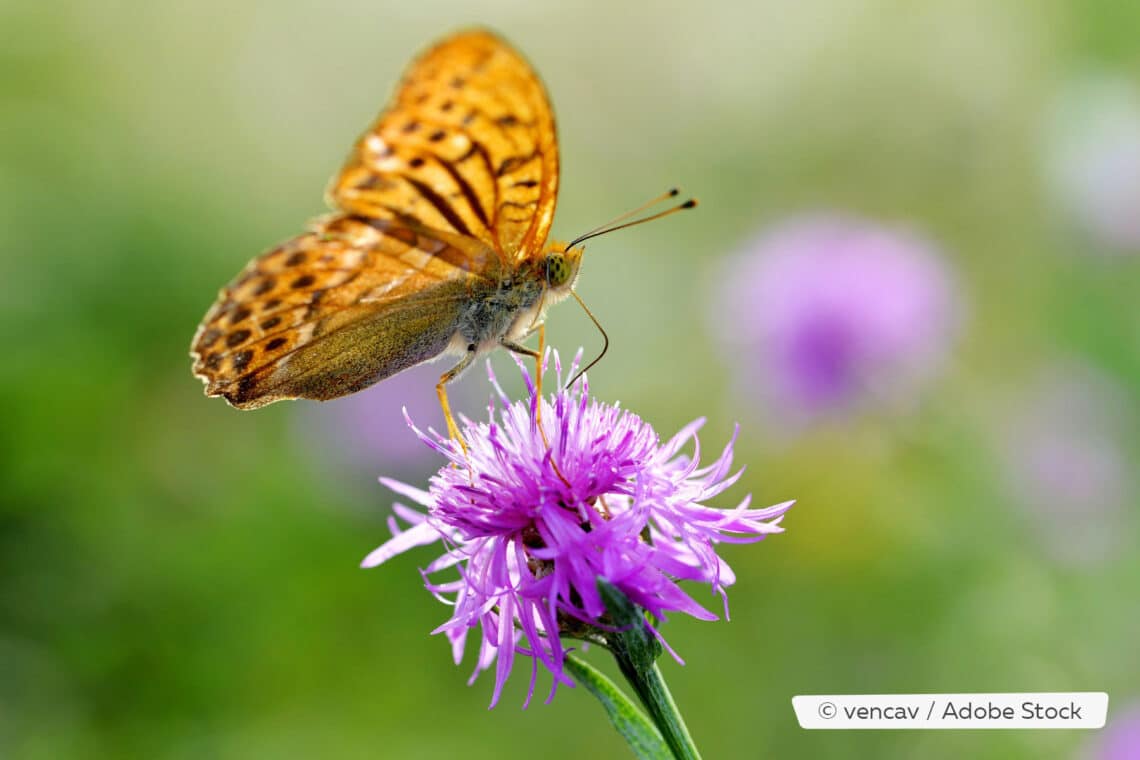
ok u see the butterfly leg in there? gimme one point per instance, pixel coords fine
(441, 391)
(518, 348)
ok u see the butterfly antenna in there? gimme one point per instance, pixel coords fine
(605, 338)
(671, 193)
(613, 225)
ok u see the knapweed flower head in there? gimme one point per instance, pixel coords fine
(530, 520)
(824, 313)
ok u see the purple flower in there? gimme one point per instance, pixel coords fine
(1120, 738)
(529, 528)
(824, 313)
(1092, 159)
(1065, 450)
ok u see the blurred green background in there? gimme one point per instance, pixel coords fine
(179, 579)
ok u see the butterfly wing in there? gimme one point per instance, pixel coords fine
(467, 146)
(452, 187)
(334, 310)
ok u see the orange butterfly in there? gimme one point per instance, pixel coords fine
(437, 245)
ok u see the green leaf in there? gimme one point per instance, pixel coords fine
(637, 730)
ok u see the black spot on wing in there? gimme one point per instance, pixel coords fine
(513, 163)
(237, 337)
(209, 338)
(242, 359)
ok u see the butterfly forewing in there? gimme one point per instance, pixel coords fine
(467, 146)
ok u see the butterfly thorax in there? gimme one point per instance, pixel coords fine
(513, 307)
(500, 310)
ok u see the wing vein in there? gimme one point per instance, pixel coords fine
(440, 204)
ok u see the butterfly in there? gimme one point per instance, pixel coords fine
(437, 243)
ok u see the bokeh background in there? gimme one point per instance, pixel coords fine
(179, 579)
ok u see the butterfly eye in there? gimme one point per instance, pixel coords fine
(557, 270)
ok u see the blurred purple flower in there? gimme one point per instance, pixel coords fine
(1120, 737)
(367, 432)
(1066, 461)
(1092, 159)
(827, 312)
(528, 529)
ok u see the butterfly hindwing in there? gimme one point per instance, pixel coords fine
(297, 304)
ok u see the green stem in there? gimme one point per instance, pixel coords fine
(655, 695)
(636, 650)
